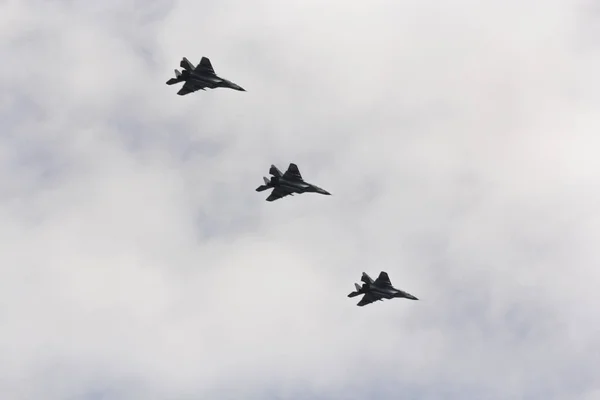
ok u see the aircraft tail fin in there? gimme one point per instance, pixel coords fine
(177, 73)
(186, 64)
(357, 286)
(366, 278)
(275, 171)
(266, 180)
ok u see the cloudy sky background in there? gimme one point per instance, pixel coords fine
(459, 139)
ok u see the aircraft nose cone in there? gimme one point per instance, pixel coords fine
(325, 192)
(411, 297)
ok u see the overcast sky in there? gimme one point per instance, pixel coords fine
(460, 142)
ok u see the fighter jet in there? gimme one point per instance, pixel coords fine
(199, 78)
(379, 289)
(289, 183)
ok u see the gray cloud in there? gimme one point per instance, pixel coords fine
(458, 141)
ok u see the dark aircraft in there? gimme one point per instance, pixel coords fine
(379, 289)
(199, 78)
(289, 183)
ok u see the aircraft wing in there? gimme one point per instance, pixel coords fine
(368, 298)
(383, 280)
(278, 193)
(205, 65)
(292, 173)
(189, 87)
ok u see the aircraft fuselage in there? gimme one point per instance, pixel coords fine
(390, 293)
(384, 292)
(296, 186)
(212, 81)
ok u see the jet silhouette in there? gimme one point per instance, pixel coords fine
(199, 78)
(379, 289)
(287, 184)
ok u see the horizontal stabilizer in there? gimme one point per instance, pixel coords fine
(353, 294)
(175, 80)
(262, 188)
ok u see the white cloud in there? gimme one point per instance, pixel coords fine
(458, 141)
